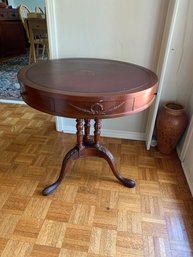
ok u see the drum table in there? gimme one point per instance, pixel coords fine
(85, 89)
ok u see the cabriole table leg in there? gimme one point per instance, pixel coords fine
(71, 155)
(98, 150)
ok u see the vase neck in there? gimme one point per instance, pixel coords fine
(174, 108)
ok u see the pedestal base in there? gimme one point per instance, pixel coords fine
(86, 147)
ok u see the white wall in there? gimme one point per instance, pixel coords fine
(30, 3)
(125, 30)
(179, 79)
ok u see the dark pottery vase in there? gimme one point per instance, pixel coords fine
(170, 125)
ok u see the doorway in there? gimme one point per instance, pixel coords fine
(14, 48)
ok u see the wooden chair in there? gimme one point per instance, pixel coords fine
(38, 10)
(38, 39)
(23, 14)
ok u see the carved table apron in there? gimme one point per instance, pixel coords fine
(86, 89)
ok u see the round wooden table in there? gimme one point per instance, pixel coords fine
(86, 89)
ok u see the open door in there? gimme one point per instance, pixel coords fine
(165, 52)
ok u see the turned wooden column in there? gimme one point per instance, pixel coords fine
(79, 133)
(97, 131)
(86, 130)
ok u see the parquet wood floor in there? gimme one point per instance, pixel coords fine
(90, 214)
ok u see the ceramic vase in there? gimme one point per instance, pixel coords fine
(170, 125)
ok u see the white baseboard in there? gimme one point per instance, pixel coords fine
(182, 153)
(186, 171)
(107, 133)
(123, 134)
(188, 177)
(10, 101)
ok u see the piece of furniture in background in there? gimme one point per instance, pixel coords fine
(38, 37)
(35, 27)
(23, 14)
(3, 4)
(12, 34)
(38, 9)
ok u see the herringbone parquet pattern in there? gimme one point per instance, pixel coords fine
(90, 214)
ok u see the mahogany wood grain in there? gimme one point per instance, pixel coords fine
(86, 129)
(85, 88)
